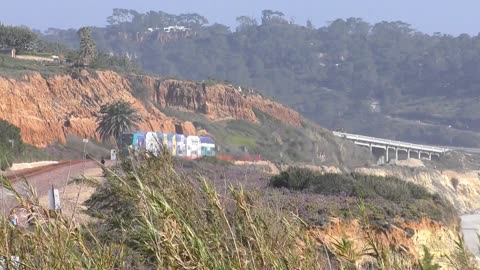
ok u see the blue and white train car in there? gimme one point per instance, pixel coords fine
(177, 144)
(153, 143)
(193, 147)
(181, 141)
(139, 140)
(172, 144)
(207, 146)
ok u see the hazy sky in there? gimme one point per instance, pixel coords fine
(447, 16)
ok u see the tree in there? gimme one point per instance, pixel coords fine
(121, 16)
(20, 38)
(11, 144)
(245, 22)
(349, 59)
(87, 46)
(117, 118)
(270, 16)
(192, 19)
(218, 30)
(310, 25)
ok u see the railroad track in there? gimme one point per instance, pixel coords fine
(43, 169)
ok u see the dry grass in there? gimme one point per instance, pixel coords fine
(149, 216)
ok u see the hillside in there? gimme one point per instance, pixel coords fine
(50, 109)
(57, 106)
(315, 202)
(385, 79)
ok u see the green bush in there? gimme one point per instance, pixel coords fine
(294, 178)
(386, 196)
(357, 185)
(6, 158)
(11, 144)
(391, 188)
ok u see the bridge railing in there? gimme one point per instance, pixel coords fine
(391, 142)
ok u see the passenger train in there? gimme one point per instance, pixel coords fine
(177, 144)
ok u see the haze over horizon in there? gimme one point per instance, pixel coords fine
(428, 16)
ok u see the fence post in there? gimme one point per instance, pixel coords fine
(54, 199)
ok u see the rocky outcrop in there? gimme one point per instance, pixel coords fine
(186, 128)
(408, 238)
(215, 101)
(48, 110)
(276, 110)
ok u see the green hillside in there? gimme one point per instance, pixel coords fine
(278, 142)
(411, 75)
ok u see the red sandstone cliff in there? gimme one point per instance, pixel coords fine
(48, 109)
(217, 101)
(410, 237)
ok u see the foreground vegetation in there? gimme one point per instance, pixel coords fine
(149, 216)
(385, 197)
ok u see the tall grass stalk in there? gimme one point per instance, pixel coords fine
(151, 217)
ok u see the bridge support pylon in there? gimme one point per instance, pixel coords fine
(372, 142)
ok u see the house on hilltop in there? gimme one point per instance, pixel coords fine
(176, 28)
(8, 51)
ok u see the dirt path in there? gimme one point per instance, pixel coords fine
(58, 176)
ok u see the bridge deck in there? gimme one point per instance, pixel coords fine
(398, 144)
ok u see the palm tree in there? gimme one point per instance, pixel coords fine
(117, 118)
(87, 46)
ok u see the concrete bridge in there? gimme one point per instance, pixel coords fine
(420, 151)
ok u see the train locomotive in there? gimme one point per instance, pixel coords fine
(178, 145)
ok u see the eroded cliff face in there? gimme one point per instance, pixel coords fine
(215, 101)
(407, 238)
(47, 110)
(461, 188)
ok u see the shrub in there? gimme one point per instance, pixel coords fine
(398, 197)
(6, 157)
(454, 182)
(11, 132)
(9, 151)
(357, 185)
(294, 178)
